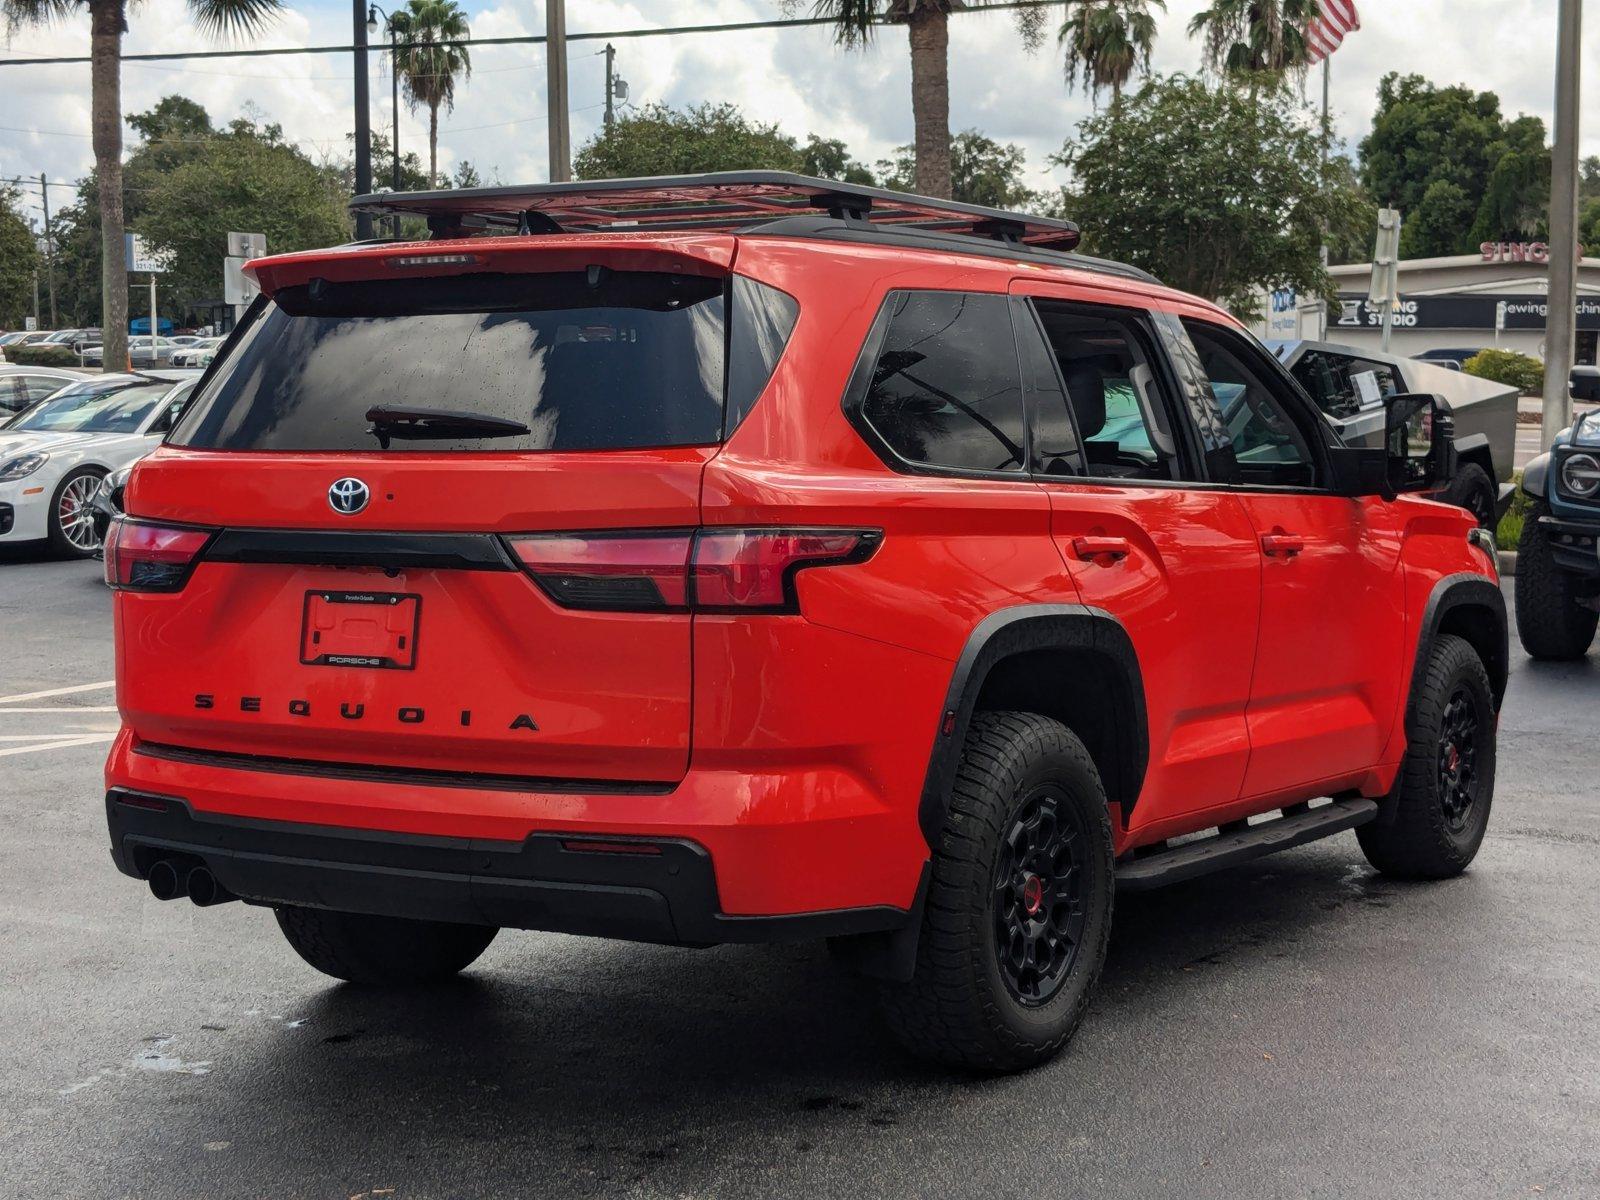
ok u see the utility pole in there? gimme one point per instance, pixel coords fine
(1327, 137)
(555, 28)
(611, 71)
(1559, 327)
(363, 117)
(49, 246)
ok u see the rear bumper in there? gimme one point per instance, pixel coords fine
(651, 890)
(799, 841)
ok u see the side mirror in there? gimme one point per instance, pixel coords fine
(1420, 442)
(1585, 383)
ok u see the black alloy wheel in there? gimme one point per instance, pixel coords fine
(1039, 906)
(1458, 757)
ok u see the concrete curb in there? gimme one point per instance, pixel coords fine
(1508, 562)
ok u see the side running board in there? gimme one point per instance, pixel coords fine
(1239, 844)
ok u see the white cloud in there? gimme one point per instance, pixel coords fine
(797, 78)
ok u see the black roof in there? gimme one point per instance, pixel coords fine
(727, 201)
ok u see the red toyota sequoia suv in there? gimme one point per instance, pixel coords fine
(749, 557)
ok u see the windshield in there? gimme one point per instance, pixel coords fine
(98, 406)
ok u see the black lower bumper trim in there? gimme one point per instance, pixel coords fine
(653, 891)
(1572, 544)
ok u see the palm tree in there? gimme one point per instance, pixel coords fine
(108, 21)
(927, 25)
(1106, 41)
(428, 65)
(1255, 38)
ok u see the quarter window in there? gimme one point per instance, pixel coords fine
(944, 389)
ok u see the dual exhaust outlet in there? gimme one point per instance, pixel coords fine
(170, 880)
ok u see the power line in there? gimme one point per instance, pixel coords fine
(522, 40)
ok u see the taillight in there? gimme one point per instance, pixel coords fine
(144, 557)
(710, 570)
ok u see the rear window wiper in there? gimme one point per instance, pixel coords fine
(404, 423)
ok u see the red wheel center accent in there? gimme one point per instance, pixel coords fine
(1032, 894)
(1452, 757)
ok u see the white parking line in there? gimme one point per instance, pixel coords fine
(82, 708)
(60, 744)
(66, 691)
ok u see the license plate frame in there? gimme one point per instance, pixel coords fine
(327, 641)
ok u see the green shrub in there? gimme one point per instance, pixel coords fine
(1510, 531)
(42, 356)
(1508, 367)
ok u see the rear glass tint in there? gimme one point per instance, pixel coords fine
(598, 360)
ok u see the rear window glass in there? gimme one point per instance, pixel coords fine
(596, 360)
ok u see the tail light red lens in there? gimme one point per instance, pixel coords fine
(144, 557)
(710, 570)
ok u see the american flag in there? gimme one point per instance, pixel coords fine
(1327, 30)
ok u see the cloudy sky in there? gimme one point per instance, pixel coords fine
(795, 77)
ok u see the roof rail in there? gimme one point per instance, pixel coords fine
(722, 201)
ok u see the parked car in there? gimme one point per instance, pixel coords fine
(106, 502)
(190, 355)
(1350, 385)
(1450, 358)
(772, 580)
(141, 351)
(1558, 555)
(21, 387)
(53, 456)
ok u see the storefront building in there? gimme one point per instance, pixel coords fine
(1497, 297)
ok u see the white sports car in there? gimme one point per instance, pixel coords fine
(53, 456)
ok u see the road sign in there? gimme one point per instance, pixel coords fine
(247, 245)
(237, 287)
(143, 259)
(30, 323)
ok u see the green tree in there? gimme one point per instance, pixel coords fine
(108, 21)
(1216, 190)
(1255, 39)
(982, 171)
(1105, 41)
(1423, 135)
(428, 67)
(246, 178)
(927, 25)
(829, 158)
(658, 140)
(18, 259)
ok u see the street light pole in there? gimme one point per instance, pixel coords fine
(1563, 303)
(363, 117)
(555, 28)
(49, 246)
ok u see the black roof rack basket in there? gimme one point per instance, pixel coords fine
(724, 201)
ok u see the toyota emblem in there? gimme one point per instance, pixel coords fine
(348, 496)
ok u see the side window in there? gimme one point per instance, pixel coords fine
(760, 320)
(1269, 446)
(1342, 386)
(944, 389)
(1116, 405)
(37, 387)
(1056, 449)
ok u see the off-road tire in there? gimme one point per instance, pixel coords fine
(62, 546)
(958, 1009)
(1419, 840)
(1473, 490)
(381, 951)
(1550, 622)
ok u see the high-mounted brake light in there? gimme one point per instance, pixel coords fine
(709, 570)
(433, 260)
(141, 556)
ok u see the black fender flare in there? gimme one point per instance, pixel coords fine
(1017, 630)
(1534, 476)
(1463, 590)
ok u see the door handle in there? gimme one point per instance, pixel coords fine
(1282, 545)
(1092, 549)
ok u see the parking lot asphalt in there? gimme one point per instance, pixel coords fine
(1299, 1027)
